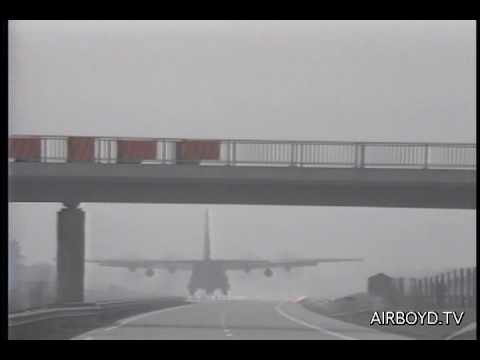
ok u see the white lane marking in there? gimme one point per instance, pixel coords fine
(110, 328)
(469, 327)
(228, 332)
(225, 330)
(311, 326)
(130, 319)
(224, 314)
(136, 317)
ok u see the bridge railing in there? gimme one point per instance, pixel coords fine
(112, 150)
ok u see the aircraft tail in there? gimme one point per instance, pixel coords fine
(206, 243)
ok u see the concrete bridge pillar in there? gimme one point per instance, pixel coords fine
(70, 253)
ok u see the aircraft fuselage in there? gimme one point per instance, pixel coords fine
(209, 276)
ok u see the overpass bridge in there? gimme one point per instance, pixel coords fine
(139, 170)
(73, 170)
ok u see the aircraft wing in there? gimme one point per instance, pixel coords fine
(147, 264)
(240, 264)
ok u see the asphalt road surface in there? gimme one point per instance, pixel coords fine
(234, 320)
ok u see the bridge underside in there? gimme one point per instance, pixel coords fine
(189, 184)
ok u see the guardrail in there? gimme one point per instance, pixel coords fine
(68, 320)
(112, 150)
(455, 288)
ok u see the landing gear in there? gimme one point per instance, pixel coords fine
(209, 277)
(192, 290)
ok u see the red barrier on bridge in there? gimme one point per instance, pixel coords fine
(198, 150)
(81, 148)
(24, 149)
(136, 150)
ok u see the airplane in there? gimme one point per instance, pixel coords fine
(210, 274)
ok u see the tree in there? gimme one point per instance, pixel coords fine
(15, 262)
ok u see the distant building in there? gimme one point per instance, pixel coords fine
(381, 285)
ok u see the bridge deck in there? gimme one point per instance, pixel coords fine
(141, 183)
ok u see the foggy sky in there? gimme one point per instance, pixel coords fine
(328, 80)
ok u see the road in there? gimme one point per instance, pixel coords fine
(234, 320)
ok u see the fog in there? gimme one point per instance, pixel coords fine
(328, 80)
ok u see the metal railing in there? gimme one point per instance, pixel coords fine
(64, 321)
(275, 153)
